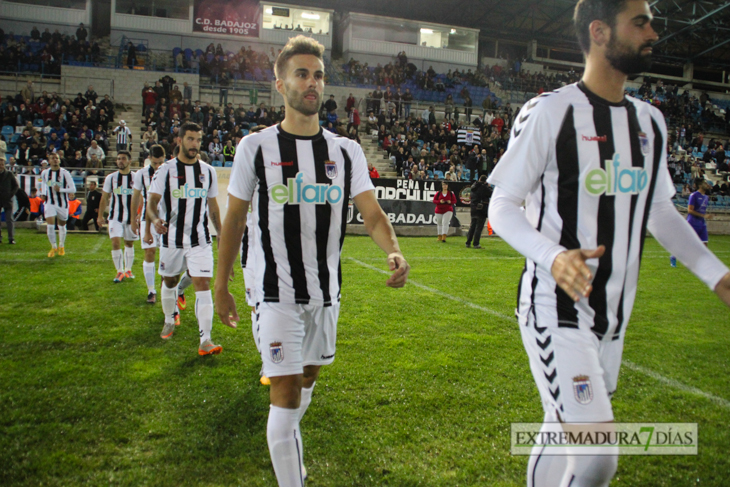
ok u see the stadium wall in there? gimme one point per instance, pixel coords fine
(421, 64)
(20, 18)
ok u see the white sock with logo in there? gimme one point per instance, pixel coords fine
(185, 282)
(51, 232)
(61, 235)
(128, 258)
(149, 275)
(169, 299)
(285, 446)
(117, 258)
(204, 313)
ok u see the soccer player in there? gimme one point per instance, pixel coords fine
(150, 237)
(697, 212)
(185, 190)
(57, 185)
(119, 188)
(591, 165)
(298, 180)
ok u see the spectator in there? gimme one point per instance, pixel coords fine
(330, 105)
(124, 136)
(93, 197)
(74, 211)
(35, 205)
(187, 91)
(81, 33)
(229, 151)
(131, 55)
(479, 205)
(215, 150)
(8, 188)
(374, 174)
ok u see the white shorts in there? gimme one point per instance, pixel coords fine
(576, 374)
(292, 336)
(122, 230)
(248, 280)
(51, 211)
(197, 260)
(155, 236)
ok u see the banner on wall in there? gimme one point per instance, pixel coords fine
(400, 213)
(406, 189)
(231, 17)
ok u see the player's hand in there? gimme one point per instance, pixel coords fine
(147, 238)
(100, 221)
(708, 217)
(57, 189)
(572, 274)
(723, 289)
(160, 226)
(225, 306)
(233, 274)
(135, 226)
(397, 263)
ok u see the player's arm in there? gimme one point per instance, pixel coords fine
(381, 231)
(215, 216)
(691, 210)
(152, 216)
(69, 186)
(229, 243)
(136, 198)
(677, 236)
(102, 208)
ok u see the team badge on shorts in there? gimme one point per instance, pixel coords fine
(162, 266)
(644, 139)
(277, 352)
(330, 169)
(582, 389)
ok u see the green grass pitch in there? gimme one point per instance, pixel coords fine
(422, 392)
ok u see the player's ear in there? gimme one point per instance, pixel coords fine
(600, 32)
(280, 86)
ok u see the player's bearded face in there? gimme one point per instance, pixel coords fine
(304, 84)
(626, 58)
(122, 163)
(190, 146)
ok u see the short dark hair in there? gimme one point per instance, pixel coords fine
(296, 45)
(157, 151)
(189, 127)
(125, 153)
(586, 11)
(698, 182)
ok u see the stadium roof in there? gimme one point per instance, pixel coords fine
(690, 30)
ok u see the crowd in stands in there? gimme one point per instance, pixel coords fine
(223, 67)
(43, 52)
(78, 129)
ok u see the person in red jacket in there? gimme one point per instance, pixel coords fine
(374, 174)
(445, 201)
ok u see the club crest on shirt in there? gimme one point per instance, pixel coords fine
(330, 169)
(202, 178)
(644, 139)
(582, 389)
(277, 352)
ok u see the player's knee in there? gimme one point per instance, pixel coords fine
(286, 391)
(311, 372)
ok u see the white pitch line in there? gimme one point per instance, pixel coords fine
(636, 368)
(98, 244)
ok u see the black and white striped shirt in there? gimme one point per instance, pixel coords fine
(299, 189)
(185, 190)
(120, 189)
(65, 182)
(142, 181)
(589, 171)
(122, 134)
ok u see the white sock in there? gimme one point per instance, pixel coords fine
(149, 275)
(128, 258)
(204, 313)
(117, 257)
(51, 231)
(169, 299)
(543, 469)
(306, 399)
(285, 446)
(185, 282)
(61, 235)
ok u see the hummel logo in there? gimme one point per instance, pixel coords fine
(602, 138)
(517, 132)
(523, 118)
(282, 163)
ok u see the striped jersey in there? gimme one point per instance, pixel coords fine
(63, 180)
(589, 171)
(122, 134)
(142, 181)
(469, 136)
(185, 190)
(120, 189)
(299, 189)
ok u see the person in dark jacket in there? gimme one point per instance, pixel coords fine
(93, 197)
(480, 196)
(8, 188)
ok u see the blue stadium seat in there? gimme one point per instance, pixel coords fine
(188, 53)
(176, 51)
(38, 122)
(215, 163)
(430, 174)
(440, 174)
(228, 164)
(465, 175)
(8, 131)
(245, 132)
